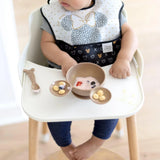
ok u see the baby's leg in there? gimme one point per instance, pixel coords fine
(61, 133)
(102, 131)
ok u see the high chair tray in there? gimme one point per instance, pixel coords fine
(127, 97)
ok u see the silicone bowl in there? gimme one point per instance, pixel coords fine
(84, 69)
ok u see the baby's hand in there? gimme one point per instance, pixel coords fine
(120, 69)
(67, 65)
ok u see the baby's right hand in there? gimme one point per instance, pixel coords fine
(67, 65)
(120, 69)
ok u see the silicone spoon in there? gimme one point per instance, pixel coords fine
(31, 75)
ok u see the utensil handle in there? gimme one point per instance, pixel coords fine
(31, 76)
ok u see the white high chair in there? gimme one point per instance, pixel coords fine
(127, 94)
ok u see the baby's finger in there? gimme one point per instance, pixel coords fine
(114, 75)
(64, 73)
(128, 73)
(120, 76)
(124, 75)
(111, 71)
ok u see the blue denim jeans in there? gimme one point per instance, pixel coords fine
(61, 130)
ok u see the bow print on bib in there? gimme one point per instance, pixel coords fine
(78, 22)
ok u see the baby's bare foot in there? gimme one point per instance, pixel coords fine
(87, 149)
(68, 151)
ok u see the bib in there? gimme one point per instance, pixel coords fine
(91, 34)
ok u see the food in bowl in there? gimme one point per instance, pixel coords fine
(85, 70)
(60, 88)
(86, 83)
(100, 95)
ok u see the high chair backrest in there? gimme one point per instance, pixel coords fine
(32, 52)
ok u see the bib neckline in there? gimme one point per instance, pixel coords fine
(89, 6)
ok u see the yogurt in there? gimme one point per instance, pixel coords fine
(86, 83)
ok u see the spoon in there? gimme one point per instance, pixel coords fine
(31, 75)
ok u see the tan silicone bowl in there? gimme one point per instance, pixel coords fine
(84, 69)
(106, 93)
(56, 93)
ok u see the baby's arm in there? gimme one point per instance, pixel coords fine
(121, 67)
(54, 54)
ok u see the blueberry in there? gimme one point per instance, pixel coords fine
(93, 86)
(93, 82)
(61, 86)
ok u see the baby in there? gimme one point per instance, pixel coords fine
(94, 31)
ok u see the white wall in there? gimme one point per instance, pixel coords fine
(10, 89)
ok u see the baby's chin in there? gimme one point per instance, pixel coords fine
(70, 9)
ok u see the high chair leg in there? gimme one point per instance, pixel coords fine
(132, 138)
(33, 139)
(45, 133)
(119, 129)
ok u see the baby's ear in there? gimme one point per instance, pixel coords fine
(66, 23)
(101, 19)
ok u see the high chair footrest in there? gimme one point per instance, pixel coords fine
(102, 154)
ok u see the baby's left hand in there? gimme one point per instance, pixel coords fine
(120, 69)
